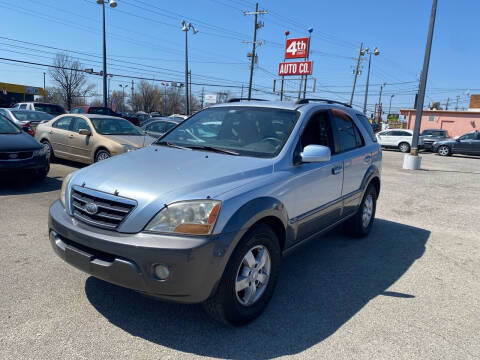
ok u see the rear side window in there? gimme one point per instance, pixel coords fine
(80, 124)
(367, 126)
(23, 106)
(63, 123)
(347, 135)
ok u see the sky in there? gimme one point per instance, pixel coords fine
(144, 39)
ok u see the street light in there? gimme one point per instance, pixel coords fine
(390, 106)
(185, 28)
(375, 52)
(123, 96)
(112, 4)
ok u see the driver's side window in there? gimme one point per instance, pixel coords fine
(317, 132)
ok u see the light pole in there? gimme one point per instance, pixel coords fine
(376, 52)
(390, 106)
(185, 28)
(123, 96)
(112, 4)
(165, 98)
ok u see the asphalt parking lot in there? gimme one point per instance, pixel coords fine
(409, 290)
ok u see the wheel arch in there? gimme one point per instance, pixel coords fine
(100, 147)
(372, 176)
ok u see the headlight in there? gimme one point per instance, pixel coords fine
(196, 217)
(64, 188)
(40, 152)
(128, 148)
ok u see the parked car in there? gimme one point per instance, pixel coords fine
(26, 117)
(89, 138)
(100, 110)
(206, 217)
(20, 153)
(156, 127)
(433, 135)
(468, 144)
(51, 109)
(398, 139)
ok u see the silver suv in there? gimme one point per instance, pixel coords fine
(206, 213)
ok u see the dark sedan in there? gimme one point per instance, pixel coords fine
(20, 153)
(157, 127)
(468, 144)
(430, 136)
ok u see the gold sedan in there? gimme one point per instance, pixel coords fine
(89, 138)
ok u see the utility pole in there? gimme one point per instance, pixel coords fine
(131, 99)
(376, 52)
(412, 161)
(446, 105)
(203, 92)
(380, 103)
(241, 96)
(256, 26)
(361, 52)
(390, 106)
(44, 91)
(308, 55)
(283, 77)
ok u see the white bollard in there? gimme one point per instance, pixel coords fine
(412, 162)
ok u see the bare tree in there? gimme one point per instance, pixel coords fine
(223, 96)
(71, 80)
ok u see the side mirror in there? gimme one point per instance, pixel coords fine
(84, 132)
(315, 153)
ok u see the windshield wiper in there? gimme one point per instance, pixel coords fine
(166, 143)
(214, 149)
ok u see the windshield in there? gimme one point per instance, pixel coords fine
(25, 115)
(7, 127)
(248, 131)
(114, 126)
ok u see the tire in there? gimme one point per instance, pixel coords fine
(42, 173)
(232, 307)
(50, 154)
(102, 154)
(444, 150)
(360, 224)
(404, 147)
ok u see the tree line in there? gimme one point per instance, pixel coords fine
(71, 88)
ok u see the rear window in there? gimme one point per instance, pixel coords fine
(367, 126)
(50, 108)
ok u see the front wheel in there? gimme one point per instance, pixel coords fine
(361, 223)
(102, 154)
(444, 151)
(404, 147)
(249, 278)
(42, 173)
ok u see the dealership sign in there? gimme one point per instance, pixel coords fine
(296, 48)
(295, 68)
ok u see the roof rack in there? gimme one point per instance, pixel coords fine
(307, 101)
(243, 99)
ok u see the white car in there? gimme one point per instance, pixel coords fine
(397, 138)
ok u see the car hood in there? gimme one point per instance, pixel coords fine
(133, 140)
(158, 175)
(18, 142)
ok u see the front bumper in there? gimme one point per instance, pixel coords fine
(196, 264)
(32, 164)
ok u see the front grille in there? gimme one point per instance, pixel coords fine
(110, 210)
(20, 155)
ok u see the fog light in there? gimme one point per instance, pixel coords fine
(161, 272)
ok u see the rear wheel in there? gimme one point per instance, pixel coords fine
(102, 154)
(249, 278)
(49, 150)
(361, 223)
(404, 147)
(444, 150)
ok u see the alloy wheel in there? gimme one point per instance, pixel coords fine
(443, 150)
(253, 275)
(367, 210)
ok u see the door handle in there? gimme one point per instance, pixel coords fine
(336, 170)
(367, 159)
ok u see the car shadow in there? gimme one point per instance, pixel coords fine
(322, 285)
(21, 186)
